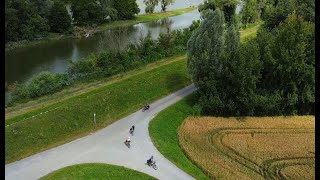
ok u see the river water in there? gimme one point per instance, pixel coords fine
(24, 63)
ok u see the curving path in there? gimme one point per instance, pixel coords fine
(106, 146)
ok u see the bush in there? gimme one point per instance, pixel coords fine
(43, 84)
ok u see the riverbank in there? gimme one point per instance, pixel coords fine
(143, 18)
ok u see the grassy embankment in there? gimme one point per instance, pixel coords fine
(96, 171)
(163, 130)
(55, 124)
(168, 145)
(115, 24)
(251, 148)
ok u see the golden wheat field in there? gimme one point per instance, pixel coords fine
(251, 147)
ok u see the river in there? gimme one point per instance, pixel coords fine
(24, 63)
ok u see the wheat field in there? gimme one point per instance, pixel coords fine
(251, 147)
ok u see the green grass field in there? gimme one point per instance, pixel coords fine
(250, 31)
(38, 130)
(163, 130)
(95, 171)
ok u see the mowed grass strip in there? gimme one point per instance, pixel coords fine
(74, 118)
(142, 18)
(163, 130)
(250, 147)
(96, 171)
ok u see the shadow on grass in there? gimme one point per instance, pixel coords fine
(176, 80)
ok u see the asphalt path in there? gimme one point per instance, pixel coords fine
(107, 146)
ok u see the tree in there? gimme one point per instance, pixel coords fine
(126, 8)
(293, 52)
(250, 11)
(108, 10)
(42, 6)
(228, 7)
(87, 12)
(225, 73)
(165, 3)
(205, 53)
(22, 21)
(150, 5)
(59, 19)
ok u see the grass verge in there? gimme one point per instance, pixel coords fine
(251, 147)
(163, 130)
(250, 31)
(96, 171)
(64, 121)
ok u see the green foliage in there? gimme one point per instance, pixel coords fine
(270, 75)
(165, 3)
(205, 55)
(289, 64)
(42, 84)
(228, 7)
(278, 12)
(196, 110)
(126, 8)
(59, 19)
(42, 7)
(23, 21)
(87, 12)
(250, 11)
(150, 5)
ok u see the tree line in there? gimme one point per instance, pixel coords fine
(271, 74)
(34, 19)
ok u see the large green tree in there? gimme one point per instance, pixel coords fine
(165, 3)
(126, 8)
(59, 19)
(250, 11)
(87, 12)
(226, 82)
(227, 6)
(150, 5)
(23, 22)
(290, 67)
(277, 12)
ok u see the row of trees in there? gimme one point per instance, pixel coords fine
(276, 11)
(150, 4)
(271, 74)
(105, 64)
(32, 19)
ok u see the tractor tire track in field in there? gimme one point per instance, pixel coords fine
(269, 169)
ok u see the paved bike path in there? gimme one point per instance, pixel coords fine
(106, 146)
